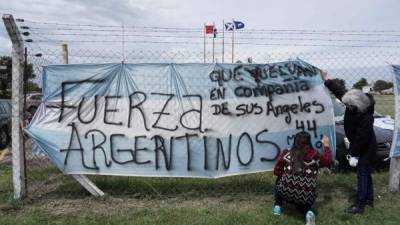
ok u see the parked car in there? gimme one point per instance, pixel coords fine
(383, 127)
(33, 101)
(5, 122)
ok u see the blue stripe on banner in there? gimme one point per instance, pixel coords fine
(89, 80)
(395, 149)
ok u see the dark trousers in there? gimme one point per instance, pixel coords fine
(365, 189)
(301, 207)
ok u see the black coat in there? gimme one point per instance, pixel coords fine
(358, 127)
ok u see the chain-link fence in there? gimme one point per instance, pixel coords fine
(349, 66)
(352, 65)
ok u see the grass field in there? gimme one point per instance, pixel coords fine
(243, 199)
(246, 199)
(384, 104)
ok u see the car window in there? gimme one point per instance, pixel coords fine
(36, 97)
(378, 115)
(2, 109)
(5, 106)
(8, 107)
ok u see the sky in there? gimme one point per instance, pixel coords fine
(256, 14)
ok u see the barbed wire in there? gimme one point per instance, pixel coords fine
(200, 29)
(114, 30)
(90, 54)
(238, 32)
(113, 26)
(47, 30)
(216, 43)
(149, 29)
(200, 37)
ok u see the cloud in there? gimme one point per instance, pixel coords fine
(128, 12)
(284, 14)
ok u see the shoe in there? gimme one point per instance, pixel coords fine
(277, 210)
(310, 218)
(370, 203)
(355, 210)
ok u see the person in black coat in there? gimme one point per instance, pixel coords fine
(359, 129)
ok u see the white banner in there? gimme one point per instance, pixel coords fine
(182, 120)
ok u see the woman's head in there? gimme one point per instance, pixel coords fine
(298, 151)
(301, 140)
(356, 100)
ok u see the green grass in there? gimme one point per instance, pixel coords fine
(244, 199)
(5, 184)
(385, 104)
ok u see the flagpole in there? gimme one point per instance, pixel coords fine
(204, 38)
(213, 49)
(213, 43)
(233, 41)
(223, 41)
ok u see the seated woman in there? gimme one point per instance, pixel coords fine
(297, 171)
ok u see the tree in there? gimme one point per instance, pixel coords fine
(32, 87)
(382, 85)
(360, 84)
(340, 82)
(5, 61)
(29, 76)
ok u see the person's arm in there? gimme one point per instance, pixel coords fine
(332, 86)
(326, 159)
(280, 163)
(363, 135)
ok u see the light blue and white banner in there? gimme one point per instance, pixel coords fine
(181, 120)
(395, 149)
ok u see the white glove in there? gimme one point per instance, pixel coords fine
(353, 161)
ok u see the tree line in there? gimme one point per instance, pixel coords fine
(377, 86)
(6, 77)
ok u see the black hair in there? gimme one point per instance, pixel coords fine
(298, 152)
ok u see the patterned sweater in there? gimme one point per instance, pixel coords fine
(300, 187)
(325, 160)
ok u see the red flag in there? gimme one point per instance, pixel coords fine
(209, 29)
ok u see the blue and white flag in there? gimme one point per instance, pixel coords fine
(238, 25)
(229, 26)
(234, 25)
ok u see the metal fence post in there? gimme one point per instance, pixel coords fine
(17, 81)
(394, 174)
(65, 53)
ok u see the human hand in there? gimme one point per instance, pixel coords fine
(325, 141)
